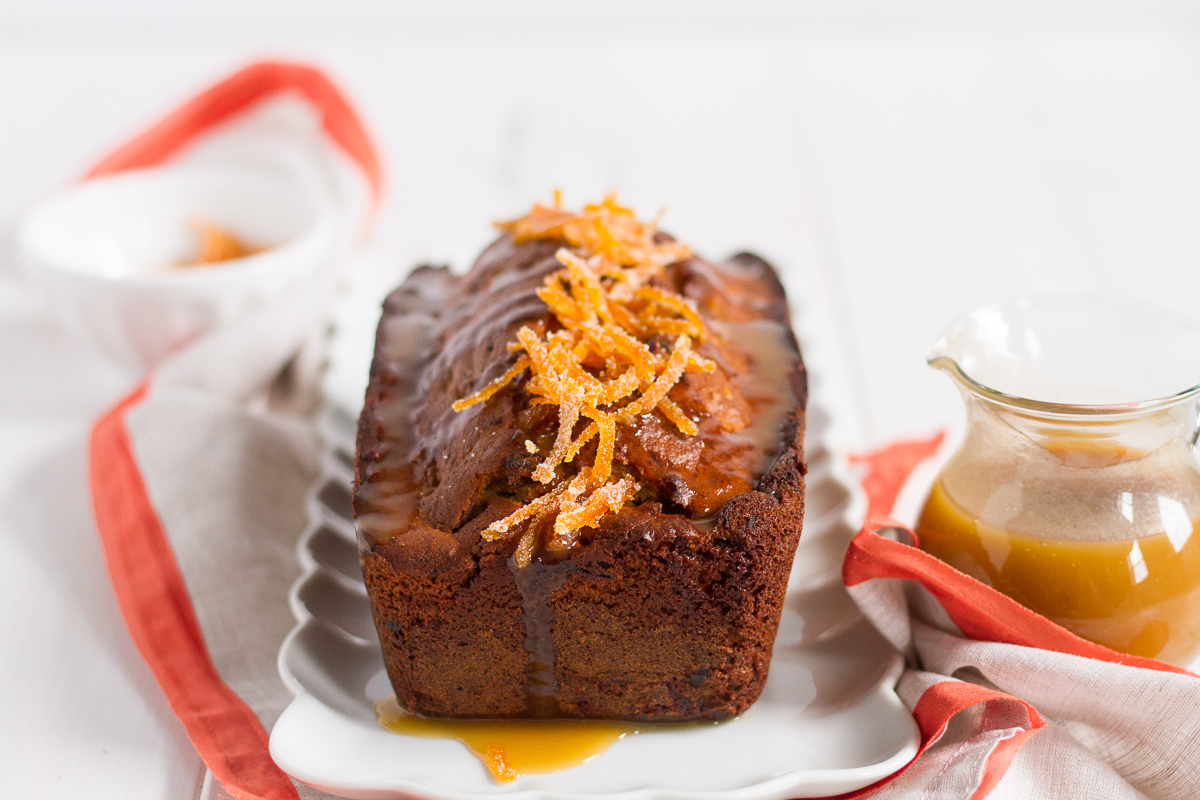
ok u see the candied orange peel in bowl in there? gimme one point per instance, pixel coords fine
(216, 244)
(595, 361)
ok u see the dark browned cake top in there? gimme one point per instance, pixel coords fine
(425, 468)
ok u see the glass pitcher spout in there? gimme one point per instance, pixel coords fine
(1080, 354)
(1109, 374)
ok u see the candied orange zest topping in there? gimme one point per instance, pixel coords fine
(675, 414)
(516, 369)
(609, 497)
(604, 452)
(525, 547)
(568, 415)
(566, 491)
(677, 304)
(588, 434)
(498, 764)
(598, 364)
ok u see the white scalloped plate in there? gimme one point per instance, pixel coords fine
(828, 721)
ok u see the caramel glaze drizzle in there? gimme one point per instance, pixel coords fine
(596, 365)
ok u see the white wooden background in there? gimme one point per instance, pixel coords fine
(902, 162)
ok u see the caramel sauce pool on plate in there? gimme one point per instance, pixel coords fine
(512, 748)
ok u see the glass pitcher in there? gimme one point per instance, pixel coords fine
(1075, 490)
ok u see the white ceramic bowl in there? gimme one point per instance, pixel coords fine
(103, 251)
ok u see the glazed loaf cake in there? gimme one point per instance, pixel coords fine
(500, 586)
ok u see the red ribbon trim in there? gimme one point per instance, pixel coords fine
(158, 612)
(933, 712)
(884, 472)
(942, 701)
(235, 94)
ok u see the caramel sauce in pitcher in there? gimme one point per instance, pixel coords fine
(1099, 540)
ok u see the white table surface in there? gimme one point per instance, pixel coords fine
(902, 166)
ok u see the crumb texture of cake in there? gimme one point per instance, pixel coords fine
(527, 558)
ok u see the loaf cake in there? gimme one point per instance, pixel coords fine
(579, 478)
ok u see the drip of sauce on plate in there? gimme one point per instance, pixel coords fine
(510, 748)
